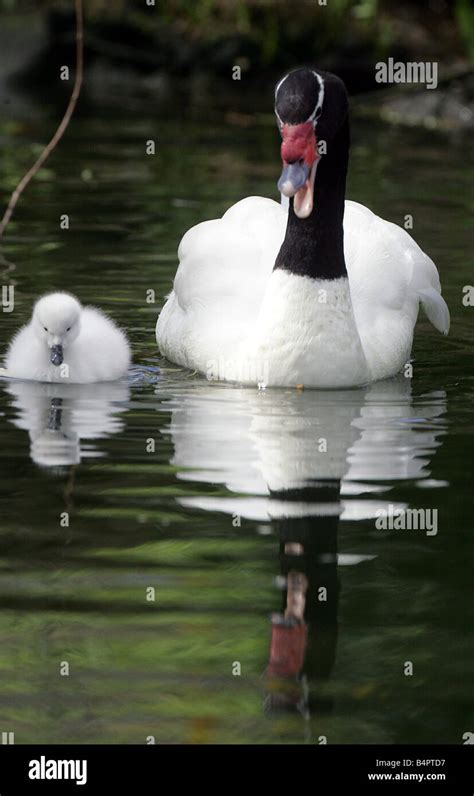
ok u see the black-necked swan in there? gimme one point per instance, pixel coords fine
(324, 294)
(68, 343)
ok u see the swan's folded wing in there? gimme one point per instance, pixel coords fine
(389, 277)
(218, 288)
(389, 266)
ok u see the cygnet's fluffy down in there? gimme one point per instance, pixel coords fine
(66, 342)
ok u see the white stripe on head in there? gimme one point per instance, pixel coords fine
(280, 84)
(319, 104)
(280, 122)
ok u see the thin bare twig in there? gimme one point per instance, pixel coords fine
(62, 126)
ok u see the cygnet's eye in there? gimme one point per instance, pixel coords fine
(44, 327)
(68, 329)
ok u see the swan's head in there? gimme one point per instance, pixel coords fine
(56, 322)
(310, 106)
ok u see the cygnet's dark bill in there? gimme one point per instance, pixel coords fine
(57, 355)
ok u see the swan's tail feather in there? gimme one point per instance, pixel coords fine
(436, 308)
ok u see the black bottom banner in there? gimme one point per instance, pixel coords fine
(369, 769)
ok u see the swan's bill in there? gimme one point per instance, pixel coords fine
(303, 199)
(293, 177)
(297, 180)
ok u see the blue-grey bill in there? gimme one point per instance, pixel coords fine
(293, 177)
(57, 354)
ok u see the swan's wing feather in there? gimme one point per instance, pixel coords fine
(436, 308)
(224, 265)
(387, 268)
(229, 259)
(389, 277)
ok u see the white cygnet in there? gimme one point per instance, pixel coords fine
(66, 342)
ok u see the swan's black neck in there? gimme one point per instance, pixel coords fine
(314, 246)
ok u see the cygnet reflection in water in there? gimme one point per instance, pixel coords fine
(59, 416)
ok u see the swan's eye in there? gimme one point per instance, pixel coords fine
(44, 327)
(68, 329)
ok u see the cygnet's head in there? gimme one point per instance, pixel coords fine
(56, 322)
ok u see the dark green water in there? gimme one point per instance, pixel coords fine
(167, 518)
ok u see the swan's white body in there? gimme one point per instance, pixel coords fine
(233, 318)
(95, 349)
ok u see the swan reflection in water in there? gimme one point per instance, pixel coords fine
(298, 463)
(58, 417)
